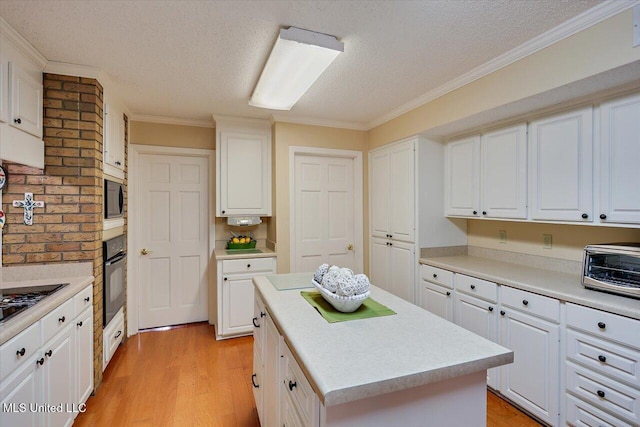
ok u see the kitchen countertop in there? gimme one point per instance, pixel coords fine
(28, 317)
(221, 254)
(562, 286)
(357, 359)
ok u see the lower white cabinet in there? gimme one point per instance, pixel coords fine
(437, 300)
(112, 336)
(58, 373)
(236, 296)
(393, 267)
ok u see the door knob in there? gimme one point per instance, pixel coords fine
(144, 251)
(350, 247)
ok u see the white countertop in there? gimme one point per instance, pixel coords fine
(28, 317)
(352, 360)
(562, 286)
(221, 254)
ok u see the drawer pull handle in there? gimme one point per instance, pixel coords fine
(448, 293)
(62, 319)
(118, 334)
(600, 393)
(253, 377)
(484, 212)
(248, 265)
(87, 299)
(502, 313)
(525, 302)
(473, 286)
(291, 385)
(435, 276)
(585, 216)
(475, 212)
(602, 358)
(18, 120)
(79, 324)
(602, 325)
(40, 362)
(48, 353)
(490, 308)
(603, 216)
(262, 314)
(21, 352)
(254, 320)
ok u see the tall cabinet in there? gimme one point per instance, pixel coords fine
(405, 211)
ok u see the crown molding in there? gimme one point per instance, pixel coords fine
(149, 118)
(578, 23)
(77, 70)
(277, 118)
(22, 44)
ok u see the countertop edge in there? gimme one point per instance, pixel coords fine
(221, 255)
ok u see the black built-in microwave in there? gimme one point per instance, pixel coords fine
(113, 199)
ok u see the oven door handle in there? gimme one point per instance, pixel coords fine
(115, 260)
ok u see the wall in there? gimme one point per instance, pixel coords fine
(568, 241)
(286, 135)
(599, 48)
(145, 133)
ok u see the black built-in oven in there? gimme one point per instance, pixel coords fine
(113, 199)
(114, 281)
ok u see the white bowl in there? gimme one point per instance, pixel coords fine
(341, 303)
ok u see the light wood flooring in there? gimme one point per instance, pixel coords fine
(184, 377)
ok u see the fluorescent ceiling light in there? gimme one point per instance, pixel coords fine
(296, 61)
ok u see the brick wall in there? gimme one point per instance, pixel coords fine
(69, 227)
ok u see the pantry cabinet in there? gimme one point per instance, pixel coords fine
(393, 267)
(619, 154)
(243, 167)
(561, 167)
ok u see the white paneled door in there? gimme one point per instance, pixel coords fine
(173, 211)
(324, 214)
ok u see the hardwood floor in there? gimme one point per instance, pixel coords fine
(184, 377)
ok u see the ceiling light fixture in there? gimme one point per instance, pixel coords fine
(295, 63)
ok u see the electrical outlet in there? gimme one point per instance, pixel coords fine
(502, 236)
(546, 241)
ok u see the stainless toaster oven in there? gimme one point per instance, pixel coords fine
(613, 267)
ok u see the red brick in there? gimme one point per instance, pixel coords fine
(43, 257)
(26, 247)
(44, 180)
(48, 76)
(63, 228)
(61, 114)
(13, 259)
(44, 237)
(60, 94)
(13, 238)
(62, 247)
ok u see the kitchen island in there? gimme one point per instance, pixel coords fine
(410, 368)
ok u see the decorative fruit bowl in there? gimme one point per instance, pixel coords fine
(250, 245)
(342, 303)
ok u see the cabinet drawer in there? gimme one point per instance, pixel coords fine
(536, 305)
(248, 265)
(622, 363)
(604, 392)
(57, 320)
(437, 275)
(297, 388)
(477, 287)
(18, 349)
(83, 299)
(580, 413)
(112, 337)
(605, 325)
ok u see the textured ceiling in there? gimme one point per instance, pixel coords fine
(189, 59)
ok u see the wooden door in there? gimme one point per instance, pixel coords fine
(560, 166)
(173, 217)
(379, 194)
(462, 177)
(402, 192)
(504, 173)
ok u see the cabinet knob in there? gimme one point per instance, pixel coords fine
(484, 212)
(602, 358)
(87, 299)
(435, 276)
(475, 212)
(291, 385)
(502, 313)
(21, 352)
(248, 265)
(253, 381)
(48, 353)
(223, 211)
(448, 293)
(225, 279)
(61, 319)
(262, 314)
(79, 324)
(473, 286)
(18, 120)
(118, 163)
(254, 320)
(490, 308)
(602, 325)
(391, 236)
(525, 302)
(603, 216)
(390, 244)
(600, 393)
(585, 216)
(40, 362)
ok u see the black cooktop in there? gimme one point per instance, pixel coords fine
(15, 300)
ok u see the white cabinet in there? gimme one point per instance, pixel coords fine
(561, 167)
(4, 89)
(114, 136)
(619, 154)
(112, 336)
(84, 355)
(18, 391)
(59, 376)
(393, 267)
(235, 294)
(299, 401)
(243, 167)
(380, 184)
(26, 101)
(462, 177)
(437, 291)
(531, 380)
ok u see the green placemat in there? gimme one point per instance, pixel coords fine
(369, 308)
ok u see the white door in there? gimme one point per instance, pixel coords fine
(504, 173)
(59, 367)
(561, 167)
(402, 195)
(437, 300)
(619, 155)
(26, 101)
(173, 207)
(402, 267)
(237, 291)
(324, 215)
(26, 386)
(462, 177)
(379, 182)
(532, 379)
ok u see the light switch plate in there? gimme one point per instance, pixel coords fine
(636, 25)
(546, 241)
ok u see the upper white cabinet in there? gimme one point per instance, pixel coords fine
(380, 180)
(619, 156)
(26, 101)
(462, 177)
(243, 160)
(561, 167)
(113, 136)
(4, 89)
(504, 173)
